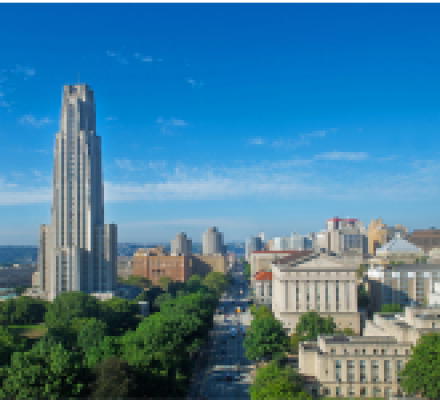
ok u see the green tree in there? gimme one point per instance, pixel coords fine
(388, 308)
(275, 382)
(119, 315)
(164, 281)
(136, 280)
(10, 342)
(363, 297)
(421, 374)
(69, 305)
(311, 325)
(265, 339)
(216, 281)
(247, 270)
(115, 378)
(19, 289)
(47, 371)
(162, 298)
(194, 283)
(360, 272)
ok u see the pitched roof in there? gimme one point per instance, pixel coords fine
(398, 245)
(263, 276)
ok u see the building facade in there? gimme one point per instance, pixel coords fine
(213, 242)
(155, 263)
(319, 282)
(254, 243)
(77, 250)
(125, 266)
(17, 276)
(426, 239)
(181, 245)
(263, 289)
(404, 284)
(204, 264)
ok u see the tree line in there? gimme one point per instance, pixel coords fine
(100, 349)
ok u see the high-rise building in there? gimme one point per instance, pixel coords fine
(181, 246)
(213, 242)
(77, 250)
(254, 243)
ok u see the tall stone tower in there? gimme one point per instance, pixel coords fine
(77, 251)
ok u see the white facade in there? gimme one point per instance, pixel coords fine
(77, 251)
(213, 242)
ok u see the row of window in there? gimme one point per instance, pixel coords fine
(383, 352)
(387, 392)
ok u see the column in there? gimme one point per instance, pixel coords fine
(342, 297)
(302, 295)
(322, 296)
(353, 296)
(292, 291)
(312, 294)
(332, 290)
(286, 295)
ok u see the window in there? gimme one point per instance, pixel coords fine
(363, 351)
(326, 391)
(363, 375)
(333, 351)
(338, 391)
(383, 352)
(387, 392)
(395, 352)
(374, 351)
(363, 391)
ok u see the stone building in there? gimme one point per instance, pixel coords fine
(263, 288)
(204, 264)
(366, 366)
(319, 282)
(426, 239)
(404, 284)
(156, 263)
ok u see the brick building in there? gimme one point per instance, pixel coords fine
(427, 239)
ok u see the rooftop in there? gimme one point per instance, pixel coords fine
(398, 245)
(263, 276)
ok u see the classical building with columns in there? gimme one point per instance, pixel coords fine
(320, 282)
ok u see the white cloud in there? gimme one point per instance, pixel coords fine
(110, 118)
(302, 140)
(117, 56)
(12, 194)
(194, 83)
(167, 124)
(147, 59)
(26, 71)
(257, 141)
(342, 156)
(31, 120)
(125, 164)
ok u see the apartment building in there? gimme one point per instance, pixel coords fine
(368, 365)
(203, 264)
(125, 266)
(426, 239)
(403, 284)
(317, 281)
(254, 243)
(156, 263)
(181, 245)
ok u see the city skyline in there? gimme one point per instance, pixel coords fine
(275, 124)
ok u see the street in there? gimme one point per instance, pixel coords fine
(226, 374)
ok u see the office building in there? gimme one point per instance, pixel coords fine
(366, 366)
(426, 239)
(203, 264)
(254, 243)
(77, 250)
(319, 282)
(125, 266)
(404, 284)
(156, 263)
(18, 275)
(213, 242)
(181, 245)
(293, 242)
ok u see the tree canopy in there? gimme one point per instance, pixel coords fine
(311, 325)
(421, 374)
(275, 382)
(265, 339)
(391, 308)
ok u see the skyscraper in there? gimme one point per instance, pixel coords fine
(213, 242)
(77, 251)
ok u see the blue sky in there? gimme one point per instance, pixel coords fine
(249, 117)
